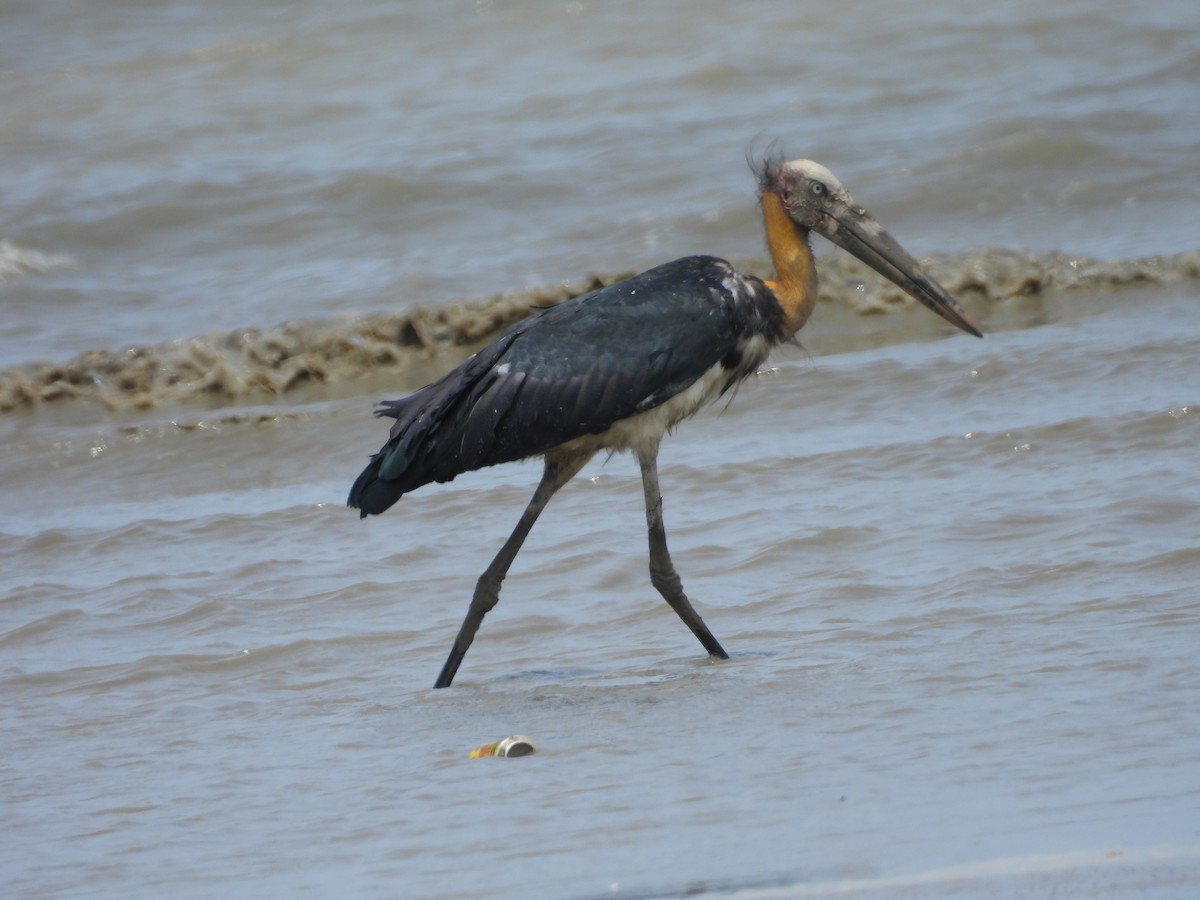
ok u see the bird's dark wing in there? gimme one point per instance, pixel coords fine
(571, 370)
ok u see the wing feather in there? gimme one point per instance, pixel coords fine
(568, 371)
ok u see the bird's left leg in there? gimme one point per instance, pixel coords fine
(560, 468)
(662, 571)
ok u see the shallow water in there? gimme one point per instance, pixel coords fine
(960, 603)
(957, 577)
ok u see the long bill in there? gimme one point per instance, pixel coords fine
(857, 232)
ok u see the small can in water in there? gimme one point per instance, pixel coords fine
(517, 745)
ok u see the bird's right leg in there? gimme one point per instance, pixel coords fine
(560, 468)
(662, 571)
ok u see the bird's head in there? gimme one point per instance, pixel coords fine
(815, 201)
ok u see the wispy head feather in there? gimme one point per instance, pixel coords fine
(763, 163)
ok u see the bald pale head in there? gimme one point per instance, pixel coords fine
(811, 194)
(813, 171)
(815, 201)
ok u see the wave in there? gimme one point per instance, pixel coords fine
(17, 262)
(258, 365)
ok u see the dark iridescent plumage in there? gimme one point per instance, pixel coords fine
(572, 370)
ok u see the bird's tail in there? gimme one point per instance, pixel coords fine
(370, 494)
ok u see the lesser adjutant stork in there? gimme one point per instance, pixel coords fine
(618, 368)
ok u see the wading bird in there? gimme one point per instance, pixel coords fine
(618, 368)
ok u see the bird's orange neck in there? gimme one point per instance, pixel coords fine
(795, 284)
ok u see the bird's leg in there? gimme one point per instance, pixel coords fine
(662, 572)
(560, 468)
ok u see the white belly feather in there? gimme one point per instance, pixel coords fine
(645, 430)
